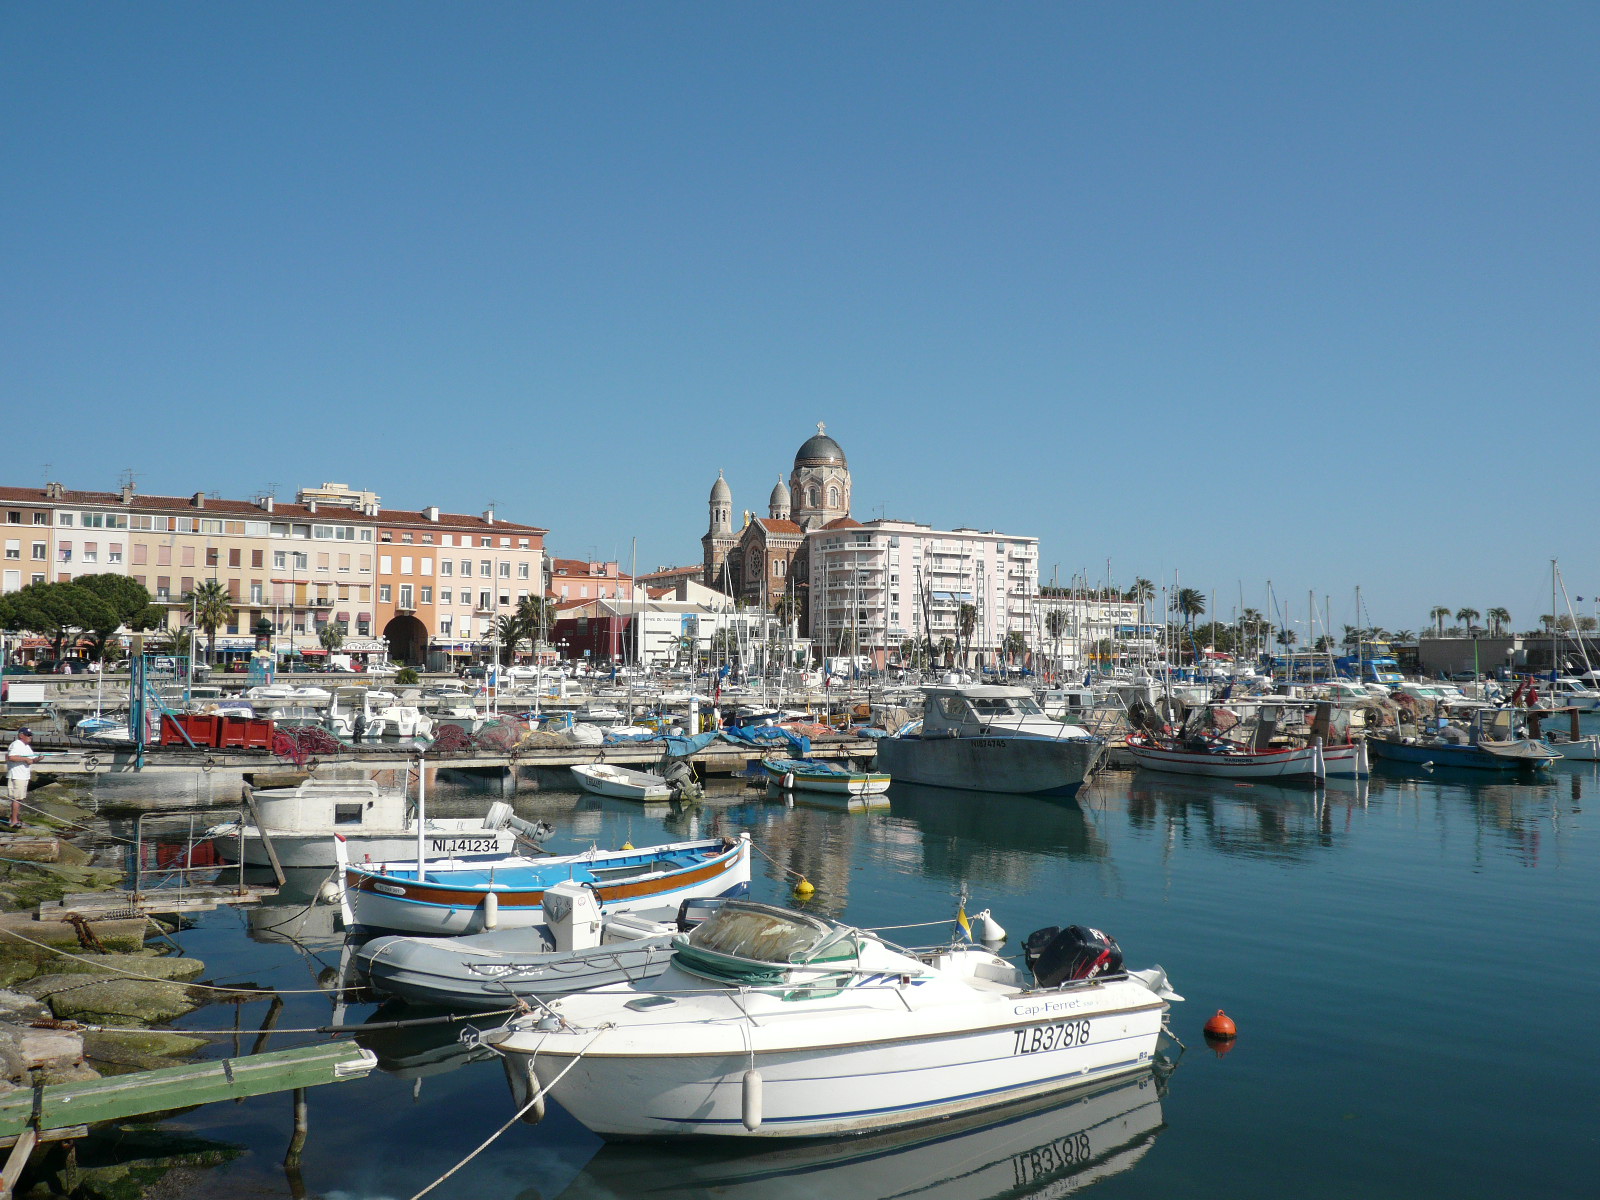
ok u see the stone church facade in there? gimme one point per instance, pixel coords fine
(764, 560)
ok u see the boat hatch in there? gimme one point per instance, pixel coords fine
(347, 814)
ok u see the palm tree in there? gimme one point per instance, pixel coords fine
(1142, 591)
(1287, 638)
(1438, 613)
(1055, 624)
(537, 615)
(1014, 646)
(1467, 616)
(212, 606)
(509, 630)
(966, 622)
(947, 647)
(331, 636)
(1499, 618)
(1191, 603)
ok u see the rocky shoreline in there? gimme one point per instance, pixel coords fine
(81, 1000)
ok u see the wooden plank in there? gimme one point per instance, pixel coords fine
(266, 838)
(17, 1160)
(183, 1086)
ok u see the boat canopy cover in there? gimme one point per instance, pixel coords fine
(745, 942)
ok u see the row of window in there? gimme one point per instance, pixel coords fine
(487, 568)
(448, 539)
(410, 597)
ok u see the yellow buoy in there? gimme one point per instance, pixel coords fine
(627, 845)
(804, 888)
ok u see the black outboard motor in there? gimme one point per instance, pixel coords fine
(1057, 956)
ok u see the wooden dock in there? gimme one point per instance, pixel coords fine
(720, 758)
(123, 902)
(54, 1112)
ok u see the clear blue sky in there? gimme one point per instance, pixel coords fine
(1289, 291)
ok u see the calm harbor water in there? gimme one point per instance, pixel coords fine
(1412, 964)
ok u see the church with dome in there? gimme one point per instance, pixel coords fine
(763, 559)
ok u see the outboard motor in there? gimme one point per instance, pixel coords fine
(500, 816)
(1057, 956)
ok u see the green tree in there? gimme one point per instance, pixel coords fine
(212, 608)
(1587, 624)
(332, 636)
(1189, 603)
(1014, 646)
(56, 611)
(947, 648)
(1437, 614)
(1287, 638)
(1142, 592)
(1499, 618)
(966, 622)
(538, 617)
(1467, 616)
(509, 630)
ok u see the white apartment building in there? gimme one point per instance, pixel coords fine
(872, 587)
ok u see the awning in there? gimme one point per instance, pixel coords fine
(313, 650)
(364, 617)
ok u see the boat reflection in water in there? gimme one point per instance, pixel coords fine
(1051, 1146)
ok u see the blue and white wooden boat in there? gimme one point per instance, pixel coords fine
(1484, 740)
(473, 893)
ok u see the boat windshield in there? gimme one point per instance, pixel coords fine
(993, 706)
(759, 932)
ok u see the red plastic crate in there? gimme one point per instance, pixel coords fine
(204, 729)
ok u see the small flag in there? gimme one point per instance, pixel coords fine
(961, 920)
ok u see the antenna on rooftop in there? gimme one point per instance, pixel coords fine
(47, 469)
(271, 489)
(128, 478)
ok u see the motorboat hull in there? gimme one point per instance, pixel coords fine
(890, 1074)
(1013, 765)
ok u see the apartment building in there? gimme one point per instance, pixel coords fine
(874, 586)
(332, 555)
(444, 578)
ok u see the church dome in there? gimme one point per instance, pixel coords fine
(720, 491)
(819, 451)
(780, 494)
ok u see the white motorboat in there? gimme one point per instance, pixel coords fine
(376, 822)
(773, 1023)
(1567, 692)
(990, 739)
(366, 714)
(603, 779)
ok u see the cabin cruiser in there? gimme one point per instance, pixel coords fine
(989, 738)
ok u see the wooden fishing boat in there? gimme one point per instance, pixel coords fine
(812, 776)
(468, 895)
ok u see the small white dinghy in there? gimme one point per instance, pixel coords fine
(773, 1023)
(603, 779)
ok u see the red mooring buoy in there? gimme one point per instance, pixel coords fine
(1221, 1027)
